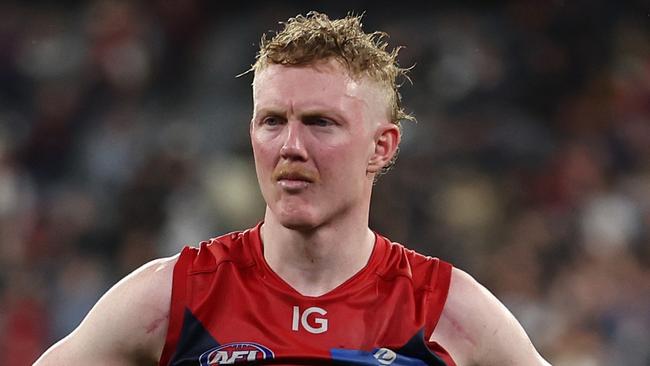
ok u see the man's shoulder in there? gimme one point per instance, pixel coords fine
(142, 299)
(150, 276)
(236, 247)
(398, 249)
(145, 290)
(475, 325)
(423, 270)
(132, 318)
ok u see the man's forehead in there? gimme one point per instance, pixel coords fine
(321, 77)
(330, 72)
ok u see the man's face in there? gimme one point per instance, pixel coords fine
(314, 133)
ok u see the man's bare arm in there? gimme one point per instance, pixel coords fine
(477, 329)
(127, 326)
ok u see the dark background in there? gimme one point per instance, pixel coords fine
(124, 136)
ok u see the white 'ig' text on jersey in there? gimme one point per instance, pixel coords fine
(303, 320)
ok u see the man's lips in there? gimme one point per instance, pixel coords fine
(294, 177)
(293, 184)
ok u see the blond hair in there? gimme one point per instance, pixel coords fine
(314, 37)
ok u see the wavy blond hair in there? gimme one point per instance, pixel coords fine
(314, 37)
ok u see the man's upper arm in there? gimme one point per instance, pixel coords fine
(476, 328)
(127, 326)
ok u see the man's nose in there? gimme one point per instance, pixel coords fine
(293, 147)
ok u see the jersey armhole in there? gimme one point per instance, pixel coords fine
(177, 304)
(436, 303)
(438, 295)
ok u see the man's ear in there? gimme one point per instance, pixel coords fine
(386, 142)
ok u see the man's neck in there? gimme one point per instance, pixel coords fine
(318, 261)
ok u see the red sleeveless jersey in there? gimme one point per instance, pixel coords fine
(229, 307)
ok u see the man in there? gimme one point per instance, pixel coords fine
(311, 284)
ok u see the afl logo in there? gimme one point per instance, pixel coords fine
(232, 353)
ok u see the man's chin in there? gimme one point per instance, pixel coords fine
(298, 223)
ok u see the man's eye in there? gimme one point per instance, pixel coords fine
(318, 121)
(271, 121)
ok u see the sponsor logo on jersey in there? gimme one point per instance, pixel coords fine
(378, 356)
(385, 356)
(232, 353)
(320, 324)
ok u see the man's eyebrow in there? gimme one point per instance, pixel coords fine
(318, 114)
(327, 113)
(268, 111)
(308, 113)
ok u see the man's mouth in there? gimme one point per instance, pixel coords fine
(294, 178)
(293, 184)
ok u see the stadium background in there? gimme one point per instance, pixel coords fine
(123, 136)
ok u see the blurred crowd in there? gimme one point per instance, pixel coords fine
(124, 137)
